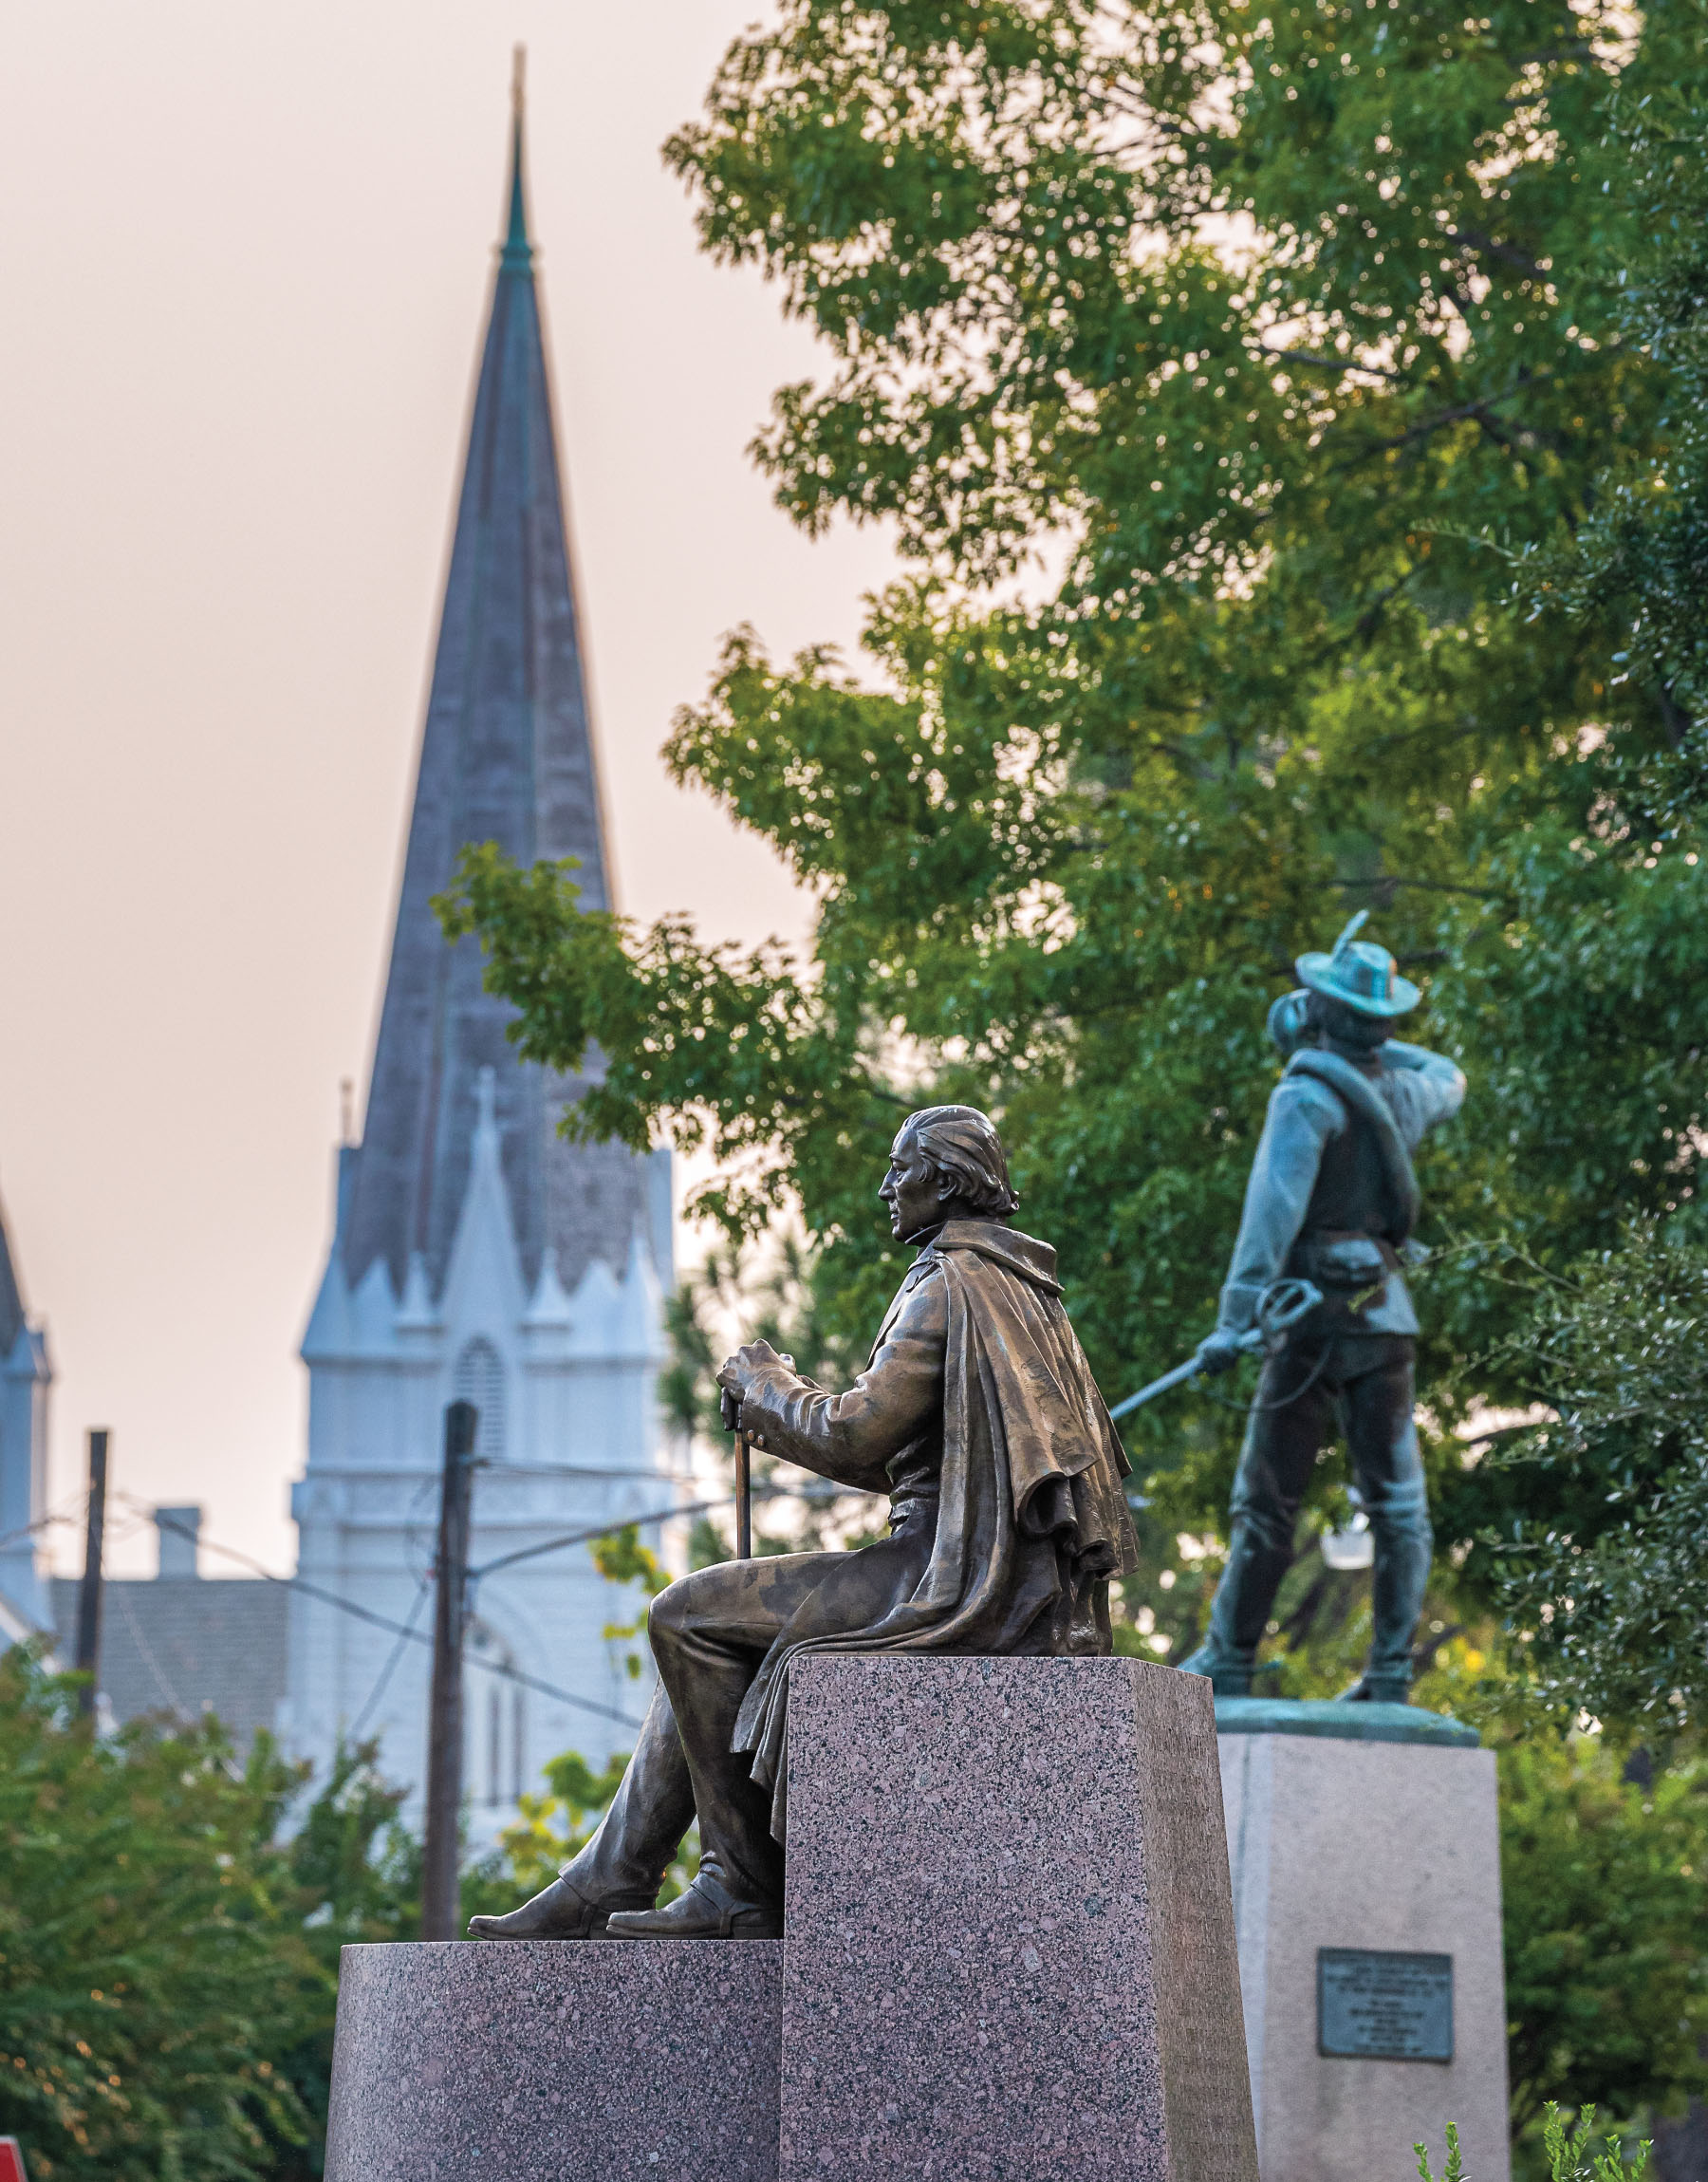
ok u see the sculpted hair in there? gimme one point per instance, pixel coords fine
(960, 1146)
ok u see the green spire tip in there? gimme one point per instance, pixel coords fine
(517, 255)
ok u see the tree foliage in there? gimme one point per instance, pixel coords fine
(1214, 371)
(1604, 1889)
(146, 1990)
(1641, 558)
(1602, 1560)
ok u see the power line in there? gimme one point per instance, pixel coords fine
(378, 1691)
(396, 1628)
(407, 1633)
(620, 1522)
(60, 1514)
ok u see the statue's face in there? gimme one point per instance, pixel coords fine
(912, 1191)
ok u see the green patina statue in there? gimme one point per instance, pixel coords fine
(1332, 1199)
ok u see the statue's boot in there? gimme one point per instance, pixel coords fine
(707, 1911)
(1257, 1560)
(1228, 1677)
(1400, 1519)
(1377, 1689)
(620, 1867)
(557, 1913)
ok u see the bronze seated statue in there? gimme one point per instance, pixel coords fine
(979, 1414)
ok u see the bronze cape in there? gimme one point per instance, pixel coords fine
(978, 1405)
(979, 1412)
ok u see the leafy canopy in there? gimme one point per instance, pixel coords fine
(1239, 388)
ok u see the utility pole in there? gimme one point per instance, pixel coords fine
(440, 1895)
(88, 1597)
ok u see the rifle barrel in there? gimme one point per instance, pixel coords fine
(1180, 1373)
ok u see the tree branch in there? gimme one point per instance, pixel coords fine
(1332, 363)
(1487, 245)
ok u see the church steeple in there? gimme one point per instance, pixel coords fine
(517, 254)
(506, 755)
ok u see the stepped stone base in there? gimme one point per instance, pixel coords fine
(1010, 1958)
(1010, 1951)
(596, 2059)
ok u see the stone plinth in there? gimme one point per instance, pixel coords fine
(596, 2059)
(1374, 1834)
(1010, 1949)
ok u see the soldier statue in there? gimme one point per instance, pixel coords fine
(977, 1414)
(1332, 1199)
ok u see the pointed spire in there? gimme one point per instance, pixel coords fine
(517, 254)
(506, 755)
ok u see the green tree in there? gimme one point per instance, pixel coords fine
(1604, 1884)
(1600, 1560)
(147, 1989)
(1213, 370)
(350, 1872)
(1640, 561)
(1597, 1544)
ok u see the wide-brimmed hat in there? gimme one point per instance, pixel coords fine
(1360, 974)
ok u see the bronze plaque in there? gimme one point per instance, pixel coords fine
(1377, 2005)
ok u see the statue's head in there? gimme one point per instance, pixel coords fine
(1354, 993)
(947, 1163)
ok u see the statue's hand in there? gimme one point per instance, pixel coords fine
(1220, 1351)
(739, 1368)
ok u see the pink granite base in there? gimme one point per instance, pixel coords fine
(592, 2060)
(1011, 1952)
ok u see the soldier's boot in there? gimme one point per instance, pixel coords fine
(1240, 1612)
(1404, 1543)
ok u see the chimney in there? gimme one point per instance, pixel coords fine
(178, 1528)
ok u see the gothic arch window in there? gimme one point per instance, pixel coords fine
(479, 1378)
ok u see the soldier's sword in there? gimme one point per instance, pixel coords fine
(1280, 1308)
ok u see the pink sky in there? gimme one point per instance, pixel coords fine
(245, 254)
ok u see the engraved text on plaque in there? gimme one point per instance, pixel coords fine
(1376, 2005)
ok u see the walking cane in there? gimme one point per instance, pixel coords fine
(744, 1481)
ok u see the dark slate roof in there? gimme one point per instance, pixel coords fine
(12, 1301)
(181, 1646)
(506, 755)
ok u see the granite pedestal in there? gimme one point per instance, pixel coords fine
(540, 2062)
(1366, 1862)
(1010, 1949)
(1010, 1958)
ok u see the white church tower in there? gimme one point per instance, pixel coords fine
(477, 1254)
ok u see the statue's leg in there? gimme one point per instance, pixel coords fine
(1290, 1418)
(1387, 1469)
(709, 1633)
(621, 1866)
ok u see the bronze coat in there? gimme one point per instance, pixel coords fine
(978, 1404)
